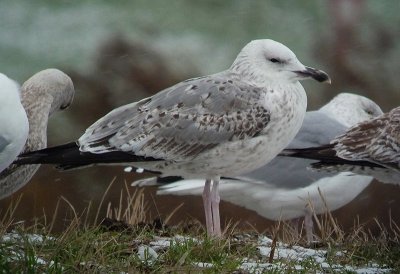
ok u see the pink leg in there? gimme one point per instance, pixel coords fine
(207, 207)
(215, 199)
(309, 225)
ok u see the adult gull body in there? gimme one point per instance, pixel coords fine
(13, 122)
(228, 123)
(285, 188)
(42, 95)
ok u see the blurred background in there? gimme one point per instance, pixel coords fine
(118, 52)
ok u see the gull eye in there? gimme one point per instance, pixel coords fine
(369, 112)
(275, 60)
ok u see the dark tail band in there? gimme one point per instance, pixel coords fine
(68, 156)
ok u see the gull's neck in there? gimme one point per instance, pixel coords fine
(37, 105)
(247, 72)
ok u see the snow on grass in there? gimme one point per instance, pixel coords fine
(14, 237)
(286, 256)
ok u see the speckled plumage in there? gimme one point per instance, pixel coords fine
(369, 148)
(177, 124)
(176, 127)
(227, 123)
(45, 93)
(377, 141)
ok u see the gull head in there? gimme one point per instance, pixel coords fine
(350, 109)
(271, 60)
(54, 83)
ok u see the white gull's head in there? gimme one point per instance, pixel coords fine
(55, 83)
(271, 60)
(350, 109)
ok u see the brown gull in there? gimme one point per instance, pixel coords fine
(13, 122)
(43, 94)
(228, 123)
(370, 148)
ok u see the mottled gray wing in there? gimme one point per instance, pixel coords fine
(353, 145)
(284, 172)
(181, 121)
(386, 147)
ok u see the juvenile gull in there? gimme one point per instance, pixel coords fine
(13, 122)
(43, 94)
(370, 148)
(227, 123)
(285, 188)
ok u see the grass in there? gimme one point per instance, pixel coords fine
(114, 246)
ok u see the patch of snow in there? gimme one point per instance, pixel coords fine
(298, 267)
(264, 251)
(299, 253)
(258, 267)
(33, 238)
(161, 243)
(203, 265)
(325, 265)
(181, 239)
(371, 270)
(339, 254)
(263, 240)
(165, 242)
(147, 254)
(40, 261)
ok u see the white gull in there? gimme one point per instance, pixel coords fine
(227, 123)
(42, 95)
(13, 122)
(285, 188)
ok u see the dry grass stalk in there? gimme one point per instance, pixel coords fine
(274, 242)
(131, 208)
(102, 199)
(8, 217)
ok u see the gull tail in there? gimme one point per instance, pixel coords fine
(326, 155)
(68, 156)
(325, 152)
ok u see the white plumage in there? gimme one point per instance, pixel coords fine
(14, 125)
